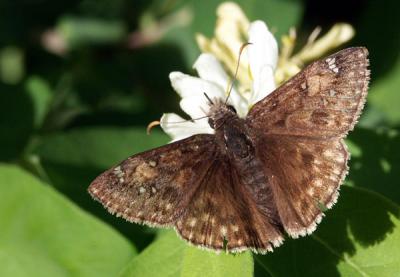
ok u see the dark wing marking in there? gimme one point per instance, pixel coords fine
(154, 187)
(324, 100)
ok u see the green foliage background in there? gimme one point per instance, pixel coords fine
(80, 80)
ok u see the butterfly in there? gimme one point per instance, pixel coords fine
(255, 178)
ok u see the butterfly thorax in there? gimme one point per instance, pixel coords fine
(230, 131)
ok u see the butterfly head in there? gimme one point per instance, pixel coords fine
(220, 113)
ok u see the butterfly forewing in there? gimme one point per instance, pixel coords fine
(155, 187)
(303, 123)
(324, 100)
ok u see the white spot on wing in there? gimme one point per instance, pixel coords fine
(339, 158)
(318, 182)
(192, 222)
(223, 230)
(205, 217)
(235, 228)
(329, 154)
(332, 65)
(337, 170)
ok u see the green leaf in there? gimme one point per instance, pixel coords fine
(78, 31)
(384, 93)
(375, 162)
(12, 67)
(97, 147)
(171, 256)
(43, 234)
(16, 121)
(41, 96)
(385, 61)
(358, 237)
(73, 159)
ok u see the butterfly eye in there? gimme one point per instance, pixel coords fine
(211, 122)
(231, 108)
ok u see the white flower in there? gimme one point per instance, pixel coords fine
(259, 67)
(262, 56)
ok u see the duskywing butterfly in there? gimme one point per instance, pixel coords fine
(256, 177)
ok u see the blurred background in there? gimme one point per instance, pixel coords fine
(80, 81)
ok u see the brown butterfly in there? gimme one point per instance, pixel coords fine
(256, 177)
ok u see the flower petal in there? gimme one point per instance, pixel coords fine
(263, 85)
(232, 25)
(264, 48)
(192, 90)
(210, 69)
(178, 128)
(263, 57)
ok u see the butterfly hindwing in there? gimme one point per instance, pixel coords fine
(223, 213)
(305, 175)
(155, 187)
(324, 100)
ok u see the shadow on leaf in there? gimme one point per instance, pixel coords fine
(376, 165)
(350, 238)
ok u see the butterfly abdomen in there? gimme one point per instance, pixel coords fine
(238, 143)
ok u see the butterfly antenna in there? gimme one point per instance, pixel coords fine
(208, 98)
(236, 70)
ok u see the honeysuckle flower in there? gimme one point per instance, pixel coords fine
(262, 56)
(212, 80)
(259, 70)
(232, 27)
